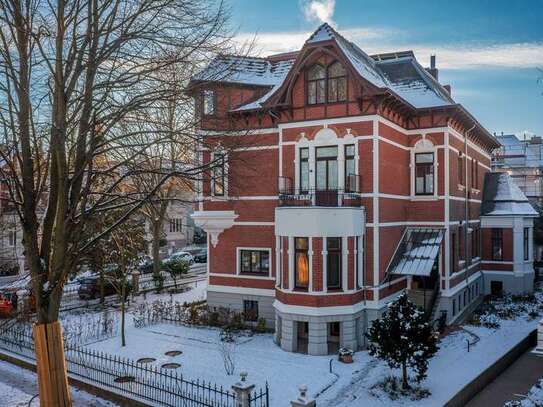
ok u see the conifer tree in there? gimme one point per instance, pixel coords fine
(404, 338)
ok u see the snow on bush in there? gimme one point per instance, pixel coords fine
(495, 309)
(534, 398)
(390, 388)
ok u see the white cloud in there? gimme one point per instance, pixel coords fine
(321, 11)
(449, 56)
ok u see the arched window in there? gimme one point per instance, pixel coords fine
(316, 85)
(337, 83)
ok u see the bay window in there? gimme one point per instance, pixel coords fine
(333, 262)
(424, 173)
(526, 243)
(301, 262)
(497, 244)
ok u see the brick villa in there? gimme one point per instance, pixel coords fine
(340, 180)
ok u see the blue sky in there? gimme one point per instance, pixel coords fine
(489, 51)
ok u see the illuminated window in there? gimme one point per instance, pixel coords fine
(301, 262)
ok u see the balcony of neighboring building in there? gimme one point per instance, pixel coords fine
(322, 211)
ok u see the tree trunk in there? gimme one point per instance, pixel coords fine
(102, 287)
(405, 384)
(156, 247)
(51, 365)
(123, 296)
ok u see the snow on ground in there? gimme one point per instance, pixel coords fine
(450, 370)
(201, 359)
(18, 387)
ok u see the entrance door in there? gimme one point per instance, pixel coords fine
(326, 176)
(496, 287)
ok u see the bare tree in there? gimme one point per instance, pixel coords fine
(73, 74)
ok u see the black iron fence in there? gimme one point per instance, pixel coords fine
(146, 383)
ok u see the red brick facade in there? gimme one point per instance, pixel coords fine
(387, 133)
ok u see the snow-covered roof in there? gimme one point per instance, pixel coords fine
(502, 197)
(403, 75)
(245, 70)
(413, 83)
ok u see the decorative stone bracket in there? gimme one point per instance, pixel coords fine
(214, 222)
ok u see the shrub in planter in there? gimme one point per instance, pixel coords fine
(345, 355)
(260, 325)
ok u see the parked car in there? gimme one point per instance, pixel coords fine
(201, 256)
(89, 288)
(146, 266)
(181, 256)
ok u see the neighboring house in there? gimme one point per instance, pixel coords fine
(178, 229)
(523, 160)
(360, 178)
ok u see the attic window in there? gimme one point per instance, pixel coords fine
(208, 102)
(316, 85)
(337, 83)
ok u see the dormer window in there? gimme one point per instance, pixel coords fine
(208, 102)
(316, 85)
(337, 83)
(326, 84)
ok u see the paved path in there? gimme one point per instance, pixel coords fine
(516, 380)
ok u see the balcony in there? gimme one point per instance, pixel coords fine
(347, 197)
(330, 213)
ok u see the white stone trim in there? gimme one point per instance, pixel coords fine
(421, 147)
(241, 276)
(241, 290)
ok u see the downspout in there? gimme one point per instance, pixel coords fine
(466, 205)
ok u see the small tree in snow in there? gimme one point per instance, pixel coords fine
(176, 268)
(404, 338)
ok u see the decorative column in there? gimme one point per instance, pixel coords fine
(243, 391)
(324, 264)
(290, 262)
(345, 263)
(310, 260)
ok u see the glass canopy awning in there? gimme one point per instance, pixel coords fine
(417, 252)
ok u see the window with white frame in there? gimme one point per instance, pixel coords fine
(176, 225)
(304, 170)
(218, 176)
(208, 102)
(254, 261)
(12, 238)
(424, 173)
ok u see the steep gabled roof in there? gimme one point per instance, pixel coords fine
(398, 72)
(502, 197)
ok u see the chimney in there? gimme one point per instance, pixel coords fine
(433, 70)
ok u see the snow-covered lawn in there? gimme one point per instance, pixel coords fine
(18, 387)
(449, 371)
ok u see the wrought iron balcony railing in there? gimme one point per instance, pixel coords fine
(348, 196)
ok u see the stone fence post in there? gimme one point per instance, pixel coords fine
(243, 391)
(303, 400)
